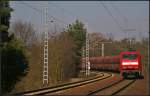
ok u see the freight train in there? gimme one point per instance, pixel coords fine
(127, 63)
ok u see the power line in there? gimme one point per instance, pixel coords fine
(118, 11)
(70, 13)
(108, 11)
(125, 21)
(64, 10)
(50, 16)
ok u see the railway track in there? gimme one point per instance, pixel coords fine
(109, 89)
(112, 89)
(43, 91)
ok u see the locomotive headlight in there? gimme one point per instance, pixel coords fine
(129, 63)
(125, 63)
(134, 63)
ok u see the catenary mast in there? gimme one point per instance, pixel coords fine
(45, 65)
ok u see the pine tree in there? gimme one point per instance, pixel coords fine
(4, 21)
(78, 33)
(13, 59)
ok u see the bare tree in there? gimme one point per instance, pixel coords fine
(25, 31)
(96, 38)
(110, 36)
(62, 57)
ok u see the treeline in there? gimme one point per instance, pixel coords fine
(14, 60)
(64, 54)
(62, 57)
(22, 53)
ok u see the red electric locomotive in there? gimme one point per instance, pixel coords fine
(130, 64)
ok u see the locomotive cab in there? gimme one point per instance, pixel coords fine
(130, 64)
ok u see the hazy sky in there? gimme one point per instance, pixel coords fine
(97, 15)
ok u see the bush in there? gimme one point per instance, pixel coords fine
(14, 64)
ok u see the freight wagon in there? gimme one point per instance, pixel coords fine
(103, 63)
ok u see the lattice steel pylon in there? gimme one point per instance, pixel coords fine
(45, 65)
(83, 59)
(87, 55)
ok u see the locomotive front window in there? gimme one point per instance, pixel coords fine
(130, 56)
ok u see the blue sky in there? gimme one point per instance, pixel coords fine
(129, 15)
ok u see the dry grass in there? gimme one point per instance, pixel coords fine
(33, 80)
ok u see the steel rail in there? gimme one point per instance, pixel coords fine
(59, 85)
(121, 89)
(111, 85)
(64, 86)
(74, 85)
